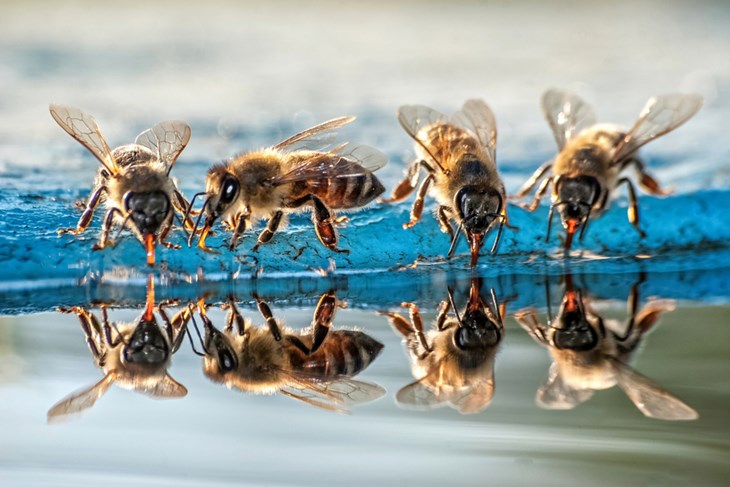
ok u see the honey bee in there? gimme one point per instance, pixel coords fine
(591, 353)
(315, 367)
(454, 361)
(303, 171)
(458, 155)
(592, 157)
(133, 181)
(134, 356)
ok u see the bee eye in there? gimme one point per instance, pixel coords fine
(229, 190)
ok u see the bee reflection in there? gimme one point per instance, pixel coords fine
(315, 366)
(454, 361)
(591, 353)
(134, 355)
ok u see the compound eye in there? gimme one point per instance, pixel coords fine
(229, 190)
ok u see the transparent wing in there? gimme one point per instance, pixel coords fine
(476, 398)
(166, 139)
(567, 114)
(649, 397)
(341, 162)
(477, 117)
(79, 401)
(83, 128)
(317, 138)
(556, 394)
(167, 387)
(337, 395)
(661, 115)
(418, 395)
(413, 118)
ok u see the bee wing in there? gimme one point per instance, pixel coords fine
(556, 394)
(477, 397)
(413, 118)
(417, 395)
(167, 387)
(84, 128)
(477, 117)
(337, 395)
(567, 114)
(166, 139)
(650, 398)
(341, 162)
(79, 401)
(660, 115)
(317, 138)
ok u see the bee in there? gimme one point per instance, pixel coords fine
(592, 158)
(304, 171)
(458, 155)
(133, 181)
(134, 356)
(316, 367)
(454, 361)
(591, 353)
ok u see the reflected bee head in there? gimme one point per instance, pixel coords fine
(576, 196)
(575, 333)
(220, 355)
(477, 209)
(146, 346)
(477, 331)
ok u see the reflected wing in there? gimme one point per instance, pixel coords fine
(341, 162)
(167, 140)
(83, 128)
(555, 394)
(567, 114)
(317, 138)
(661, 115)
(79, 401)
(418, 395)
(476, 398)
(167, 387)
(337, 395)
(413, 118)
(649, 397)
(477, 117)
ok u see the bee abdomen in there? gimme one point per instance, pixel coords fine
(343, 353)
(347, 192)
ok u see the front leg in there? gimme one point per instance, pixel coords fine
(536, 176)
(323, 225)
(90, 327)
(527, 319)
(417, 323)
(406, 186)
(417, 209)
(443, 214)
(647, 181)
(184, 208)
(271, 227)
(105, 229)
(633, 211)
(238, 230)
(268, 317)
(163, 236)
(88, 213)
(539, 194)
(234, 316)
(444, 308)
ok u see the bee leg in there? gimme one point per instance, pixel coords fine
(443, 214)
(88, 213)
(235, 316)
(406, 186)
(176, 327)
(417, 209)
(417, 323)
(541, 190)
(444, 308)
(107, 326)
(163, 236)
(323, 226)
(341, 221)
(401, 325)
(527, 319)
(530, 183)
(270, 229)
(105, 229)
(505, 219)
(181, 205)
(240, 228)
(647, 181)
(90, 327)
(633, 211)
(268, 316)
(323, 316)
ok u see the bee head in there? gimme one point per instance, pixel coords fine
(147, 210)
(222, 188)
(477, 209)
(218, 347)
(147, 345)
(575, 332)
(576, 197)
(477, 331)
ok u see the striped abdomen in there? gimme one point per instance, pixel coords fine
(340, 192)
(343, 353)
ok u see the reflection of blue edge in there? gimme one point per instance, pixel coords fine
(686, 234)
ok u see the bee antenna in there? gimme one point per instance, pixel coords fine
(455, 239)
(496, 305)
(550, 220)
(499, 234)
(124, 224)
(189, 209)
(197, 222)
(190, 338)
(119, 334)
(453, 305)
(585, 223)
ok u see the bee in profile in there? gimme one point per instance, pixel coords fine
(133, 181)
(458, 155)
(454, 361)
(304, 171)
(591, 353)
(316, 367)
(134, 356)
(592, 158)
